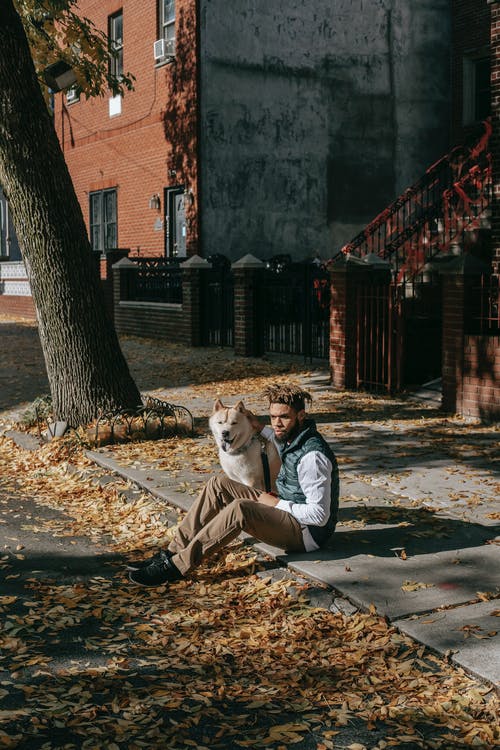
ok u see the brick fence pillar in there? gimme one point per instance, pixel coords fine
(248, 333)
(495, 136)
(124, 282)
(106, 264)
(192, 290)
(460, 276)
(341, 330)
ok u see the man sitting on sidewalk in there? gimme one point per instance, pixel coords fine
(300, 519)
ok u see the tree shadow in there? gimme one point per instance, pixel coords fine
(386, 529)
(114, 658)
(425, 439)
(23, 375)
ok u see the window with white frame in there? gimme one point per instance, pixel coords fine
(167, 23)
(103, 220)
(115, 33)
(476, 88)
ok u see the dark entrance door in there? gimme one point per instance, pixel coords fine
(175, 222)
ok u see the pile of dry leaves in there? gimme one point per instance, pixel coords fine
(227, 659)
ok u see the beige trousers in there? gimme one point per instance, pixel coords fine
(221, 511)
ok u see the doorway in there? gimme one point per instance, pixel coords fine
(175, 222)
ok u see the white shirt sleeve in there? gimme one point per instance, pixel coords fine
(314, 472)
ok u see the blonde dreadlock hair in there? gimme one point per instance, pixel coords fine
(291, 395)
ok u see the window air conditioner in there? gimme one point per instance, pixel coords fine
(164, 48)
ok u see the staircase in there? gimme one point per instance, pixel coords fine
(431, 218)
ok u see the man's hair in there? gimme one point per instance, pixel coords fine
(291, 395)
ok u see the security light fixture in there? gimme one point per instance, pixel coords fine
(154, 202)
(59, 76)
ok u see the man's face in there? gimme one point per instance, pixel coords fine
(285, 420)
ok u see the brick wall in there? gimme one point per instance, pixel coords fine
(173, 322)
(470, 34)
(152, 320)
(471, 363)
(453, 342)
(481, 377)
(152, 144)
(22, 306)
(338, 339)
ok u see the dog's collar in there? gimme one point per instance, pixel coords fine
(244, 447)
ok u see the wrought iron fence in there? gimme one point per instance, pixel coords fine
(156, 280)
(217, 303)
(295, 306)
(375, 342)
(398, 333)
(153, 419)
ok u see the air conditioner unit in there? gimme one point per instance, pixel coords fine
(164, 48)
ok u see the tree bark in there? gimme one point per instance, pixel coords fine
(85, 365)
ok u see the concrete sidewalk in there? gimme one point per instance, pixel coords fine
(418, 535)
(420, 504)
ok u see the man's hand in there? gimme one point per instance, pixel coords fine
(254, 421)
(267, 499)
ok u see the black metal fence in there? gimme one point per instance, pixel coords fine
(156, 280)
(293, 301)
(295, 308)
(375, 340)
(217, 303)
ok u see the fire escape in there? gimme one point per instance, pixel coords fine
(445, 214)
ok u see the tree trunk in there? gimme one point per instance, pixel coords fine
(85, 366)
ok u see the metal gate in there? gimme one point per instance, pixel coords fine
(398, 334)
(217, 304)
(295, 305)
(377, 342)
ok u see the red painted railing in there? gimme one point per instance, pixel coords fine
(431, 216)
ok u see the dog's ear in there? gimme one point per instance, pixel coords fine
(240, 406)
(218, 405)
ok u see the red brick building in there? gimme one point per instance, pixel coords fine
(275, 129)
(133, 160)
(249, 134)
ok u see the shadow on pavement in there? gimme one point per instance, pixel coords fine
(385, 530)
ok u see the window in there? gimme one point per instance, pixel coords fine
(115, 33)
(103, 224)
(482, 88)
(477, 89)
(73, 95)
(167, 20)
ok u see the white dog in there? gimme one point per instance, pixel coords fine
(242, 454)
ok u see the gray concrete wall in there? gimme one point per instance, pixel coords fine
(314, 116)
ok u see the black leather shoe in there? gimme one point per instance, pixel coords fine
(141, 564)
(158, 572)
